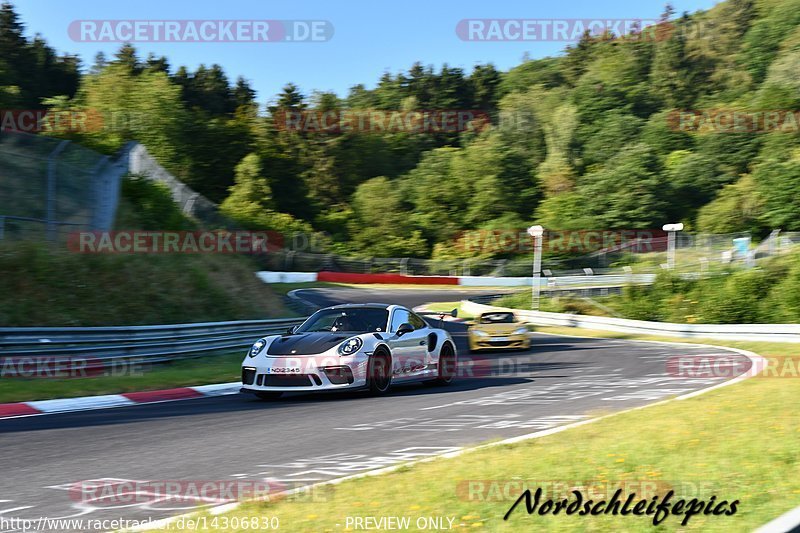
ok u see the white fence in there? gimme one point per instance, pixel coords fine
(744, 332)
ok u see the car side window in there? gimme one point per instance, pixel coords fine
(416, 321)
(400, 316)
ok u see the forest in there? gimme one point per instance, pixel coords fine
(587, 139)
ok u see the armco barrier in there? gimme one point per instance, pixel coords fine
(556, 282)
(744, 332)
(149, 344)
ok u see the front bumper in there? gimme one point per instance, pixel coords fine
(303, 374)
(499, 342)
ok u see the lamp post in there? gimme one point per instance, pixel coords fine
(536, 232)
(671, 230)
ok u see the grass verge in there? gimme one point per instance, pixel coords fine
(222, 368)
(45, 286)
(736, 442)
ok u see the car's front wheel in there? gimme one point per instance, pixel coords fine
(379, 373)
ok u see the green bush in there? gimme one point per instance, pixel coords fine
(737, 300)
(148, 205)
(783, 302)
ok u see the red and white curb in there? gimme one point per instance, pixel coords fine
(106, 401)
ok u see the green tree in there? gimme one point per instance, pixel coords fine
(601, 140)
(565, 211)
(381, 226)
(779, 185)
(250, 201)
(694, 179)
(737, 207)
(628, 192)
(763, 38)
(439, 197)
(145, 107)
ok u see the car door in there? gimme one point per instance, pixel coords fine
(406, 350)
(423, 356)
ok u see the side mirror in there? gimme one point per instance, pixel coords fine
(454, 312)
(404, 328)
(291, 330)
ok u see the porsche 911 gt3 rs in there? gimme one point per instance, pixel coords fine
(350, 346)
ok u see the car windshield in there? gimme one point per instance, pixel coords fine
(355, 319)
(497, 318)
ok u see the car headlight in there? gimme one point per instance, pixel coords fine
(480, 333)
(350, 346)
(520, 331)
(257, 347)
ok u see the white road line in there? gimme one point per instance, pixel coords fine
(4, 511)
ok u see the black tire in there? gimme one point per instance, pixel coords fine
(268, 395)
(448, 365)
(379, 373)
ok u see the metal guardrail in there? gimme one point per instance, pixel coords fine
(749, 332)
(600, 281)
(149, 344)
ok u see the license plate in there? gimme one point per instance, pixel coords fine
(283, 370)
(499, 339)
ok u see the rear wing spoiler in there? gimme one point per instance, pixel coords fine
(441, 315)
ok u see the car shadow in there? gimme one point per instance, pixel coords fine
(471, 377)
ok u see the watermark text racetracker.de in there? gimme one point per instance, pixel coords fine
(734, 121)
(183, 242)
(110, 493)
(68, 367)
(200, 31)
(725, 366)
(517, 240)
(558, 30)
(69, 120)
(376, 121)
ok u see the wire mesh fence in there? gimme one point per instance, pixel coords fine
(50, 187)
(190, 202)
(296, 261)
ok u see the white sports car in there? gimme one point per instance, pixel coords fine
(348, 347)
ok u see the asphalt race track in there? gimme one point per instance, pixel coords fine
(302, 439)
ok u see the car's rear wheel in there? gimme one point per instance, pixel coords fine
(447, 365)
(268, 395)
(379, 373)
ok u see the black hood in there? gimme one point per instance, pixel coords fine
(306, 343)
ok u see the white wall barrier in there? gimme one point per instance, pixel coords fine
(286, 277)
(744, 332)
(497, 281)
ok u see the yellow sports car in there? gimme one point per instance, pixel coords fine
(498, 329)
